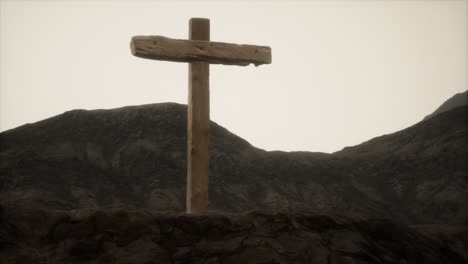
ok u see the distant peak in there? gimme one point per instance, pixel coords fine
(457, 100)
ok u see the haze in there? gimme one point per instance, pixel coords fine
(343, 72)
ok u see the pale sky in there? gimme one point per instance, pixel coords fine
(343, 72)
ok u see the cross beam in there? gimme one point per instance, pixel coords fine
(179, 50)
(199, 52)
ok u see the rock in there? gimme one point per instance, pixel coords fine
(255, 255)
(354, 240)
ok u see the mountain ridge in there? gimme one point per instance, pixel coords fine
(136, 155)
(459, 99)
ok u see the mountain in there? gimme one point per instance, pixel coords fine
(140, 236)
(136, 155)
(460, 99)
(104, 186)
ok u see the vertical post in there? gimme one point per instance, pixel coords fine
(198, 121)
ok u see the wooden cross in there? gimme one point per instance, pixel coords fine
(199, 52)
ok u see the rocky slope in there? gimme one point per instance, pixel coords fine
(128, 235)
(136, 155)
(460, 99)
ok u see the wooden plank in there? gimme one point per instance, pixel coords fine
(178, 50)
(198, 118)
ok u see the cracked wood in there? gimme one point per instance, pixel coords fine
(178, 50)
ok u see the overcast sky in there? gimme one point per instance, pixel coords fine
(343, 72)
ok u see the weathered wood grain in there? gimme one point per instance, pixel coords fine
(198, 124)
(178, 50)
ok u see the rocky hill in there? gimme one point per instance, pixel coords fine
(92, 187)
(137, 156)
(129, 235)
(460, 99)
